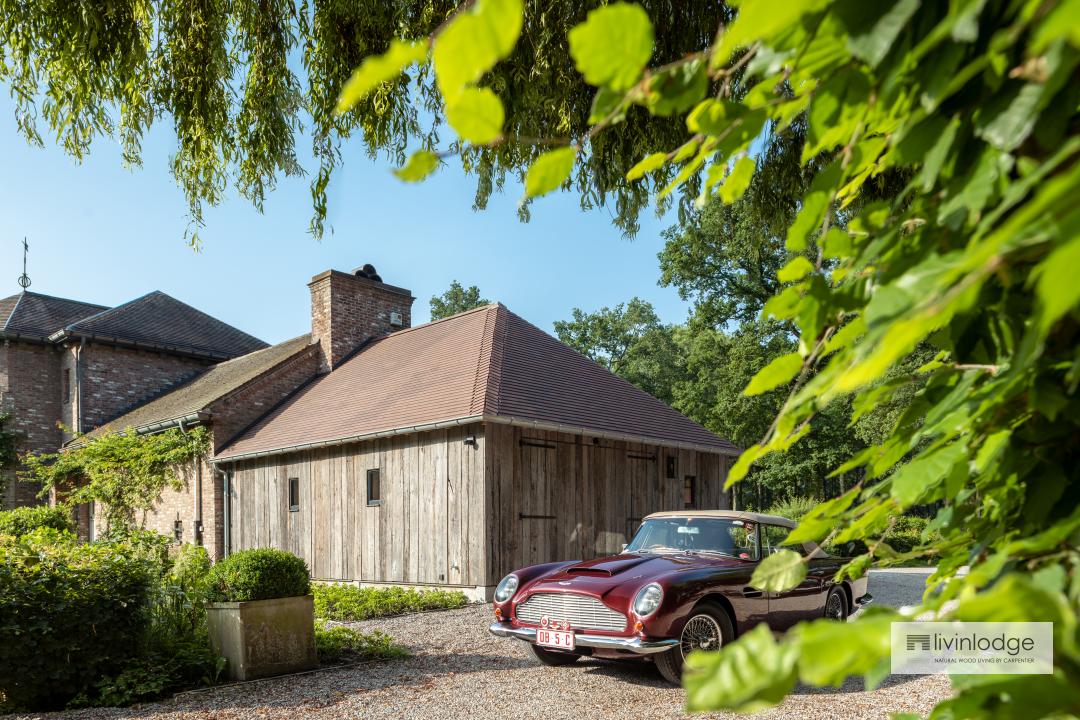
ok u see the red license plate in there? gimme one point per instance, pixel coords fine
(556, 639)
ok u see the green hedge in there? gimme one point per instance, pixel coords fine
(259, 574)
(341, 644)
(21, 521)
(70, 614)
(349, 603)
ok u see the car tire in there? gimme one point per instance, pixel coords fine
(670, 663)
(836, 604)
(553, 658)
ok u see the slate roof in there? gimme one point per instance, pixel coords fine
(35, 316)
(199, 393)
(486, 363)
(159, 321)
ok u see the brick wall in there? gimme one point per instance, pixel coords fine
(237, 410)
(29, 381)
(115, 380)
(181, 505)
(346, 310)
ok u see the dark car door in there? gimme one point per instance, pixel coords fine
(801, 602)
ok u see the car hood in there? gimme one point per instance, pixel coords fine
(623, 574)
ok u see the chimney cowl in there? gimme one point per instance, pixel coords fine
(367, 270)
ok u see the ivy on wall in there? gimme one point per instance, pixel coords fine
(124, 472)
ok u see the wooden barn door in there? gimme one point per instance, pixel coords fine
(537, 487)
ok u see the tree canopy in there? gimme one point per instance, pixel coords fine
(971, 110)
(455, 300)
(241, 82)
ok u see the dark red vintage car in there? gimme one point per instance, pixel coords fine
(682, 584)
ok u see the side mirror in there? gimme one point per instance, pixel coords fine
(624, 547)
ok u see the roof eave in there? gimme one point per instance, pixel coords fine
(198, 417)
(68, 334)
(470, 419)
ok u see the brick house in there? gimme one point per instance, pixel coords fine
(79, 365)
(439, 455)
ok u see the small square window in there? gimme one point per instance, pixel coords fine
(672, 467)
(374, 491)
(689, 492)
(294, 494)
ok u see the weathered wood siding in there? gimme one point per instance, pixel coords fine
(428, 530)
(554, 496)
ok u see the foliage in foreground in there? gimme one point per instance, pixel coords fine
(348, 603)
(258, 574)
(23, 520)
(123, 472)
(339, 645)
(973, 108)
(109, 623)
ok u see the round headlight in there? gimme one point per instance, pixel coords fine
(506, 588)
(648, 600)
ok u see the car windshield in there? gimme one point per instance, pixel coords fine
(725, 536)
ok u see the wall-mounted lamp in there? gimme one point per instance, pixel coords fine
(178, 528)
(470, 440)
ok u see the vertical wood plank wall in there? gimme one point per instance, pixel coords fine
(426, 531)
(555, 496)
(456, 514)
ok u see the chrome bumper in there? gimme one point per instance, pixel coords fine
(863, 601)
(634, 645)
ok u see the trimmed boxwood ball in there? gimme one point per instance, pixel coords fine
(261, 574)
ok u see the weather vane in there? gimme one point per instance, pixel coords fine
(24, 279)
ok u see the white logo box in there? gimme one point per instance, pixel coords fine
(972, 648)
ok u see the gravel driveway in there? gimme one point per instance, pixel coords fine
(458, 670)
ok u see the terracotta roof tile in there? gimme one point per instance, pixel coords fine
(485, 362)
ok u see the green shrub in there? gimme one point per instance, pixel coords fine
(70, 615)
(350, 604)
(794, 508)
(340, 644)
(258, 575)
(26, 519)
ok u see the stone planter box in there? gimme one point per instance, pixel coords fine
(262, 638)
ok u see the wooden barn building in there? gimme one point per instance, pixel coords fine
(450, 453)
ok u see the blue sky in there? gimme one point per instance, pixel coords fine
(104, 234)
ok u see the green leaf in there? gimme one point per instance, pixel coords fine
(779, 572)
(1056, 285)
(477, 115)
(549, 171)
(677, 89)
(778, 372)
(377, 69)
(613, 45)
(830, 651)
(647, 165)
(759, 20)
(605, 102)
(914, 480)
(420, 164)
(1061, 22)
(738, 180)
(796, 269)
(873, 30)
(713, 116)
(752, 673)
(474, 41)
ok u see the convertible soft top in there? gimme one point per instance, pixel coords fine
(733, 514)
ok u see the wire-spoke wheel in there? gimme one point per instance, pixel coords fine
(701, 632)
(708, 628)
(836, 605)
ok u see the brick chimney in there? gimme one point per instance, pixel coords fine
(349, 308)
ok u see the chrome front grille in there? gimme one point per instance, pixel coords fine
(581, 611)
